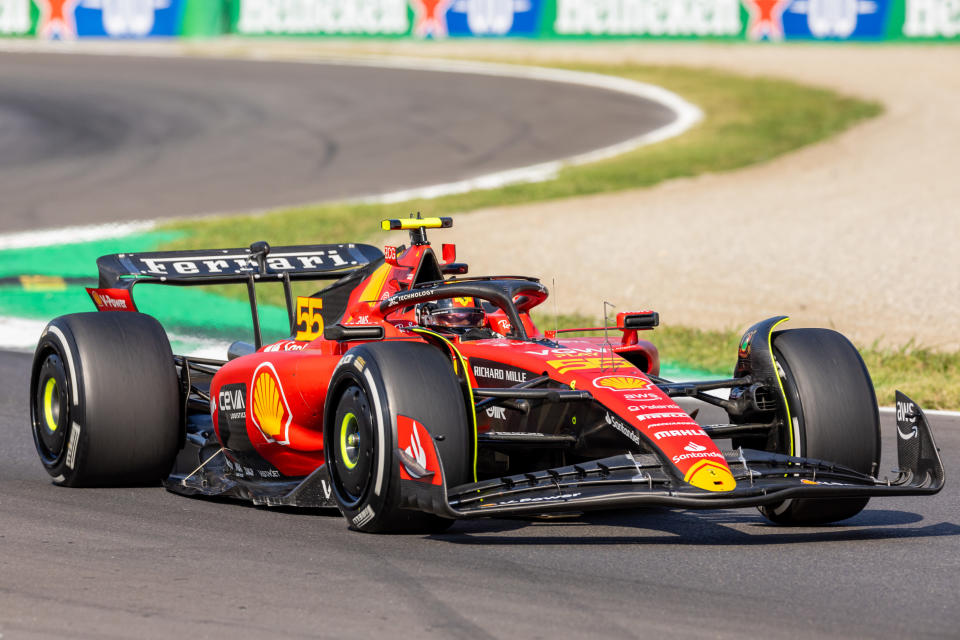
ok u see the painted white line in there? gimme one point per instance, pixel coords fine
(198, 346)
(22, 334)
(929, 412)
(72, 235)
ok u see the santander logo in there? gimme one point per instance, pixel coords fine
(693, 447)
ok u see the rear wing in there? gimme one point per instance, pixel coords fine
(220, 266)
(120, 272)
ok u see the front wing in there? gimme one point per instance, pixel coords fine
(633, 480)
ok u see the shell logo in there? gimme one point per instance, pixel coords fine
(620, 383)
(271, 413)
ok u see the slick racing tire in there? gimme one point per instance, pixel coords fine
(104, 400)
(833, 408)
(373, 385)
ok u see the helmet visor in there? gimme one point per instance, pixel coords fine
(455, 317)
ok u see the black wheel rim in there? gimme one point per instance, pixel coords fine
(51, 411)
(353, 447)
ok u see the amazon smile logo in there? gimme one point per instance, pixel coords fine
(906, 418)
(907, 436)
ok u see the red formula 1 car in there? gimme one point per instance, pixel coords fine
(409, 395)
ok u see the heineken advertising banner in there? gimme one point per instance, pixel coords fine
(322, 17)
(757, 20)
(417, 18)
(656, 18)
(874, 20)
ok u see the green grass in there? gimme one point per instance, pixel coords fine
(748, 121)
(930, 378)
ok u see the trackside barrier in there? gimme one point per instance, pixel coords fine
(759, 20)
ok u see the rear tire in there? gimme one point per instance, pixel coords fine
(834, 410)
(104, 400)
(374, 384)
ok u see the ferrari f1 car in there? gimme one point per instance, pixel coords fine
(409, 395)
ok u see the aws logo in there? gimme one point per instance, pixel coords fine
(620, 383)
(271, 412)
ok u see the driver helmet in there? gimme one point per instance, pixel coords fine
(451, 313)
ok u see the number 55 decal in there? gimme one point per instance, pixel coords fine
(309, 320)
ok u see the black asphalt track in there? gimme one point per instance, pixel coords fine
(87, 139)
(141, 562)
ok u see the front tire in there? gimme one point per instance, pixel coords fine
(833, 410)
(104, 400)
(373, 385)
